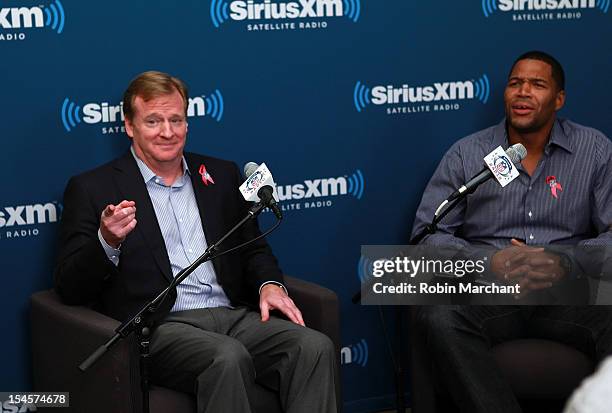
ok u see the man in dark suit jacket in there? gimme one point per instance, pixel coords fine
(128, 227)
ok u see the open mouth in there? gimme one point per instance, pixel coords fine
(522, 109)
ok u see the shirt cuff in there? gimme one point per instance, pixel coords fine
(112, 253)
(275, 283)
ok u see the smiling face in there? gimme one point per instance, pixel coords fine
(532, 97)
(158, 130)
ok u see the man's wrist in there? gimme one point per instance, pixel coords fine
(276, 283)
(111, 252)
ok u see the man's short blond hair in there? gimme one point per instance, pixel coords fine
(150, 85)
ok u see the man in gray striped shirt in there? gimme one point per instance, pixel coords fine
(563, 196)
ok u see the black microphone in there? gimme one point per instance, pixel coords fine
(265, 193)
(516, 153)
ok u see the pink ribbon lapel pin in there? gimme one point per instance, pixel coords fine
(555, 186)
(206, 178)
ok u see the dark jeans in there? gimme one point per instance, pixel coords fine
(459, 339)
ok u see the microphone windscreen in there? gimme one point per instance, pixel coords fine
(517, 152)
(249, 168)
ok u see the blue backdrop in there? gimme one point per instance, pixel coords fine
(306, 86)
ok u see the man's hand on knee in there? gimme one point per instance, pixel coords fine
(272, 297)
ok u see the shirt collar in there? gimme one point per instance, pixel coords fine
(559, 136)
(147, 173)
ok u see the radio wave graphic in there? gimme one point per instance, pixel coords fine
(361, 96)
(55, 16)
(360, 353)
(356, 184)
(352, 9)
(364, 269)
(214, 105)
(482, 88)
(488, 7)
(603, 5)
(218, 12)
(70, 114)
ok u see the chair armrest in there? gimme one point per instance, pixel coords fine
(321, 311)
(62, 337)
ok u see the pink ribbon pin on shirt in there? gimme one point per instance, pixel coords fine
(554, 185)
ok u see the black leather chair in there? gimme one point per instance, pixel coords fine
(542, 373)
(63, 336)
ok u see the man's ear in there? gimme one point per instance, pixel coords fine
(129, 127)
(560, 100)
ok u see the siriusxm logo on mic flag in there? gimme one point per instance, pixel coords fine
(269, 15)
(542, 10)
(258, 179)
(406, 99)
(502, 167)
(72, 114)
(51, 16)
(355, 354)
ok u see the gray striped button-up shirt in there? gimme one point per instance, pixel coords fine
(568, 200)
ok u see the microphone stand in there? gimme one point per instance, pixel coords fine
(141, 322)
(429, 229)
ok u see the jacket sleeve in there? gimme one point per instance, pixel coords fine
(82, 265)
(258, 263)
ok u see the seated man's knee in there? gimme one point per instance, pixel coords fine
(312, 343)
(435, 319)
(231, 354)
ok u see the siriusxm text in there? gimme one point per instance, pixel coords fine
(251, 10)
(18, 17)
(313, 189)
(28, 215)
(513, 5)
(390, 94)
(104, 112)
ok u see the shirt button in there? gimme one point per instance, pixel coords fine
(156, 180)
(530, 187)
(531, 236)
(190, 250)
(530, 214)
(180, 219)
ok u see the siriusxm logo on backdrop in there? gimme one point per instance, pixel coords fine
(72, 114)
(542, 10)
(15, 20)
(268, 15)
(406, 99)
(355, 354)
(365, 268)
(320, 192)
(8, 406)
(25, 220)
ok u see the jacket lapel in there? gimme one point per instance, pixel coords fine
(132, 187)
(209, 205)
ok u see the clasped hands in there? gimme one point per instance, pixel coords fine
(533, 268)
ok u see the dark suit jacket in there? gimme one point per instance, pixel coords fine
(84, 274)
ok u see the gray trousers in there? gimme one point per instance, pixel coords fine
(219, 354)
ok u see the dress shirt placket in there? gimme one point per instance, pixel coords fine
(533, 198)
